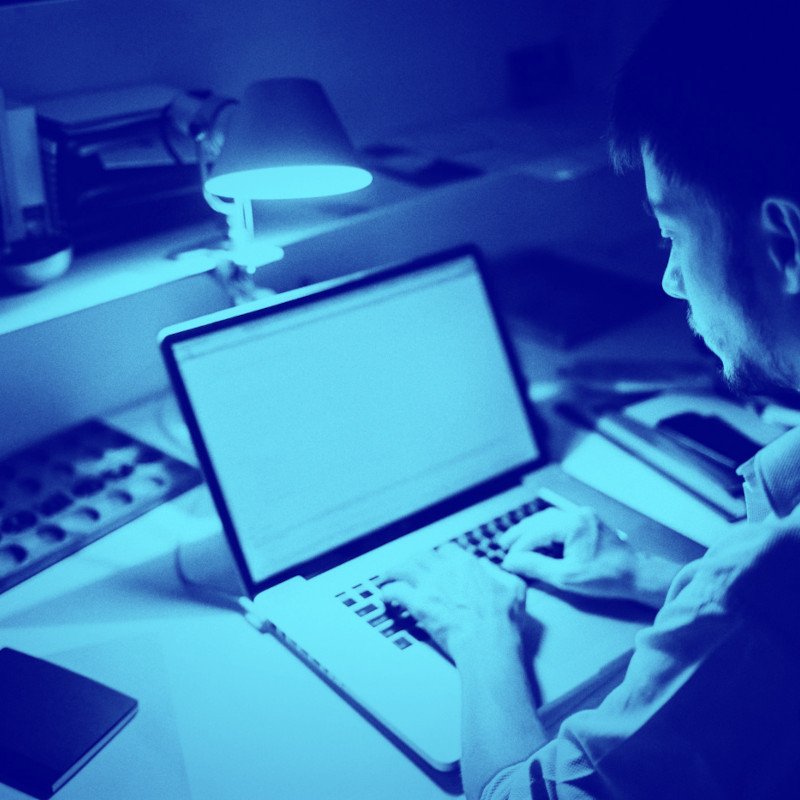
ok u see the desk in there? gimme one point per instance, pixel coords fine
(227, 712)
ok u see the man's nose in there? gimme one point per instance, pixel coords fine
(672, 282)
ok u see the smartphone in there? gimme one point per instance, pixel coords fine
(712, 436)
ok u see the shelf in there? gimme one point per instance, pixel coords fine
(550, 144)
(106, 275)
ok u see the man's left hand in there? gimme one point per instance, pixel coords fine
(467, 605)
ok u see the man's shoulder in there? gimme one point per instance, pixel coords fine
(761, 563)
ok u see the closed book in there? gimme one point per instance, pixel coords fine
(52, 722)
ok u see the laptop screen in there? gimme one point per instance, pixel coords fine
(329, 418)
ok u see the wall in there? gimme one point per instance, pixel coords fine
(384, 63)
(601, 33)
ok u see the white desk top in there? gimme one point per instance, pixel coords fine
(224, 711)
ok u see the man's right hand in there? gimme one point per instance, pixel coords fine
(597, 562)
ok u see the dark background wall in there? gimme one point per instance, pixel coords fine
(385, 63)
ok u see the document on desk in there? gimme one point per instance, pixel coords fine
(608, 468)
(630, 459)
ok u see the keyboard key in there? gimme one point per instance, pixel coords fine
(393, 619)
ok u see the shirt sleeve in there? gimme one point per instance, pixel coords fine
(682, 722)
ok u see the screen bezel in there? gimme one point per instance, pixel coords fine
(370, 539)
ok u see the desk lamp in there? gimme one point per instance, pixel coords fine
(283, 142)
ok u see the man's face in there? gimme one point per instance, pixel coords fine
(713, 273)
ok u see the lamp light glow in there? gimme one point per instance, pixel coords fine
(290, 183)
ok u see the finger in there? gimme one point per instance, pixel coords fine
(402, 595)
(407, 571)
(534, 566)
(451, 553)
(544, 528)
(506, 578)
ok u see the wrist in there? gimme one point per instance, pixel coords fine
(652, 579)
(497, 645)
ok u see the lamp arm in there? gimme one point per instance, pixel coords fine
(217, 204)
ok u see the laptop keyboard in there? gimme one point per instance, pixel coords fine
(398, 625)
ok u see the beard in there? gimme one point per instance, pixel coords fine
(747, 377)
(754, 368)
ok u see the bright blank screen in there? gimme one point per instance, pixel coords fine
(336, 417)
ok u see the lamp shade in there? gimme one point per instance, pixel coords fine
(285, 141)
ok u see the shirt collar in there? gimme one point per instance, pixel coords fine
(772, 478)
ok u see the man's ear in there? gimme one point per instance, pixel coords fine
(780, 223)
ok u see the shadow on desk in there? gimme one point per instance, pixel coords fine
(150, 590)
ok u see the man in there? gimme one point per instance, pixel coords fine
(707, 107)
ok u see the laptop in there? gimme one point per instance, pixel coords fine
(346, 427)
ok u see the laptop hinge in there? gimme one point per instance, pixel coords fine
(205, 566)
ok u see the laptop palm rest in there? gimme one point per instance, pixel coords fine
(416, 696)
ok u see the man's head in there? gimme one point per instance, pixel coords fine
(709, 106)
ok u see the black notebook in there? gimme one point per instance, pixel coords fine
(52, 721)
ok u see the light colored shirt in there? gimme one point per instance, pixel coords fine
(710, 704)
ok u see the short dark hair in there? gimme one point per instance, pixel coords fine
(713, 91)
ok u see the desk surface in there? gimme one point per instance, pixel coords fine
(224, 711)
